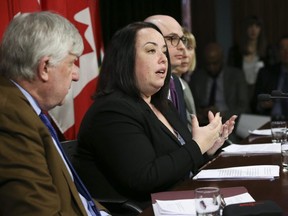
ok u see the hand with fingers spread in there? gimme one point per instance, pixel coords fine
(230, 123)
(223, 135)
(219, 136)
(208, 135)
(227, 129)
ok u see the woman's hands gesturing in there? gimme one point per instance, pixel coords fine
(212, 136)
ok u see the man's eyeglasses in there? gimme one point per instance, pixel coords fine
(175, 40)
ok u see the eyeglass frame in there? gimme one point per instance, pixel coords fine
(175, 36)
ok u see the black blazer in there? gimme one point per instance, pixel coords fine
(134, 150)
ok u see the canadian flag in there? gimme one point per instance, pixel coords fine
(84, 14)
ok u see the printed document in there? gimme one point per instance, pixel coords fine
(241, 172)
(243, 149)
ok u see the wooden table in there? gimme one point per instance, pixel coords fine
(276, 190)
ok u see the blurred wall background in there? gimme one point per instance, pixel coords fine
(211, 20)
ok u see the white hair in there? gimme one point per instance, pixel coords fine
(31, 36)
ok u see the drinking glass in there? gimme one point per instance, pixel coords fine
(279, 131)
(207, 201)
(284, 153)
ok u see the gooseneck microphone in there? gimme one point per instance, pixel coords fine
(275, 94)
(279, 93)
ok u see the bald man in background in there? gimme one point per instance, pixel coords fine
(176, 41)
(217, 87)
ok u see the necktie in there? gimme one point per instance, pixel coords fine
(79, 184)
(212, 93)
(173, 93)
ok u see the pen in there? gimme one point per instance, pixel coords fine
(202, 204)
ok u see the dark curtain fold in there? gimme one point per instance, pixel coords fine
(203, 25)
(116, 14)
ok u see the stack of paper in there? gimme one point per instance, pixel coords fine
(174, 207)
(186, 207)
(243, 149)
(242, 172)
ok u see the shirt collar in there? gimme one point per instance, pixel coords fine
(31, 100)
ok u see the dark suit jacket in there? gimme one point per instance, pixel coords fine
(134, 150)
(33, 177)
(180, 94)
(235, 90)
(267, 81)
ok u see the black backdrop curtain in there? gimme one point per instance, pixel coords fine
(115, 14)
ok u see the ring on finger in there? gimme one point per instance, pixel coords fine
(220, 134)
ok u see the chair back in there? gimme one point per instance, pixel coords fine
(69, 147)
(97, 184)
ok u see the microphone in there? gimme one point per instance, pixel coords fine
(274, 95)
(279, 93)
(264, 97)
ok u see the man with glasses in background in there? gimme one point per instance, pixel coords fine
(176, 41)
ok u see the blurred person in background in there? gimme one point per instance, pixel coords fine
(270, 78)
(251, 53)
(217, 87)
(187, 67)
